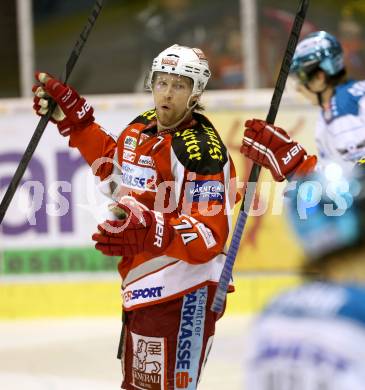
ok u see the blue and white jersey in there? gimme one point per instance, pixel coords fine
(340, 132)
(310, 338)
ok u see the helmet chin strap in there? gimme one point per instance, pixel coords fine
(319, 94)
(319, 99)
(189, 108)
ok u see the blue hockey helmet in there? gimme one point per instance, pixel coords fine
(327, 212)
(317, 50)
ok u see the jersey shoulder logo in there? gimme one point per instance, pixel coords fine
(205, 190)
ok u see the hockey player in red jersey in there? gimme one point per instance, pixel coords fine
(173, 185)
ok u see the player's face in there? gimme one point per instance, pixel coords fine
(311, 86)
(317, 83)
(171, 93)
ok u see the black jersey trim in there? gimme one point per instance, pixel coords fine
(200, 148)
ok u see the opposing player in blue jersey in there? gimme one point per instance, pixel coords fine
(319, 68)
(313, 337)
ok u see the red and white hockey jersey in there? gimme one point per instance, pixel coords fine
(187, 175)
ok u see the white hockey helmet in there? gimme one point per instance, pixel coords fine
(183, 61)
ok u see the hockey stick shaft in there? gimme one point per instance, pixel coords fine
(220, 295)
(33, 143)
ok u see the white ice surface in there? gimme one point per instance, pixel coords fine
(80, 354)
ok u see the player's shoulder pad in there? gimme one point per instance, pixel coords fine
(145, 118)
(347, 97)
(321, 300)
(354, 306)
(200, 148)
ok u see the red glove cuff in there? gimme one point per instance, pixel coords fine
(271, 147)
(78, 112)
(305, 168)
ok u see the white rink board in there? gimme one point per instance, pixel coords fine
(55, 162)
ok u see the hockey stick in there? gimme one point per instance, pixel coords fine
(75, 54)
(220, 294)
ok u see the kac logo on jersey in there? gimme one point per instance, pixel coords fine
(205, 190)
(130, 142)
(144, 293)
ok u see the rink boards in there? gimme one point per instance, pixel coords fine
(99, 295)
(47, 264)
